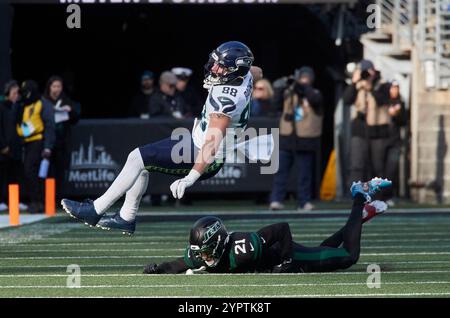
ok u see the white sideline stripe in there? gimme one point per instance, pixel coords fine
(293, 212)
(300, 232)
(159, 243)
(82, 266)
(307, 233)
(224, 274)
(263, 296)
(89, 257)
(168, 256)
(296, 226)
(183, 237)
(140, 265)
(182, 249)
(222, 285)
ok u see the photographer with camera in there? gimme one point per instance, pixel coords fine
(300, 132)
(370, 122)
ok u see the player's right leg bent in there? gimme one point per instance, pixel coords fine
(162, 157)
(89, 211)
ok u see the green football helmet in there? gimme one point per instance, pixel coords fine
(208, 240)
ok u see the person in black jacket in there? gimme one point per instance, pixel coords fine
(187, 91)
(370, 122)
(165, 102)
(35, 124)
(399, 119)
(11, 166)
(140, 102)
(67, 114)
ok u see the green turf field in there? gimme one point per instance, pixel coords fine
(412, 251)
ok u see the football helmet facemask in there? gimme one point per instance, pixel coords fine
(226, 63)
(207, 240)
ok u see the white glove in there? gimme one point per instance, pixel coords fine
(179, 186)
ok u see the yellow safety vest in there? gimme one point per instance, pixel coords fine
(32, 118)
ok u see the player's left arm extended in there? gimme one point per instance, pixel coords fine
(174, 267)
(214, 136)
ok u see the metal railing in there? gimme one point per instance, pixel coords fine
(398, 18)
(431, 18)
(434, 41)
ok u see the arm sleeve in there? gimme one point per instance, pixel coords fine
(349, 95)
(3, 131)
(75, 114)
(181, 264)
(315, 99)
(402, 118)
(278, 233)
(174, 267)
(381, 94)
(48, 118)
(154, 107)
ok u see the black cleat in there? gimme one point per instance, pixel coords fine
(115, 222)
(83, 211)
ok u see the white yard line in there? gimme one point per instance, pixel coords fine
(113, 235)
(169, 256)
(426, 246)
(140, 264)
(228, 274)
(222, 285)
(15, 245)
(265, 296)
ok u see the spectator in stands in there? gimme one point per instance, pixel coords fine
(257, 73)
(187, 91)
(300, 132)
(67, 113)
(164, 102)
(35, 124)
(140, 102)
(398, 119)
(262, 99)
(11, 166)
(370, 122)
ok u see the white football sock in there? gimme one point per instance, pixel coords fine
(133, 197)
(124, 181)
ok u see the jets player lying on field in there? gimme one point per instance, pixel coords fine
(230, 84)
(271, 249)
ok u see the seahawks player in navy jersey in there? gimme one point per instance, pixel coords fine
(225, 115)
(271, 249)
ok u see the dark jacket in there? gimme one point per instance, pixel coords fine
(262, 107)
(303, 135)
(371, 119)
(162, 105)
(397, 121)
(63, 129)
(139, 104)
(8, 134)
(194, 103)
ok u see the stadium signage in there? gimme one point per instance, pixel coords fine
(99, 149)
(92, 167)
